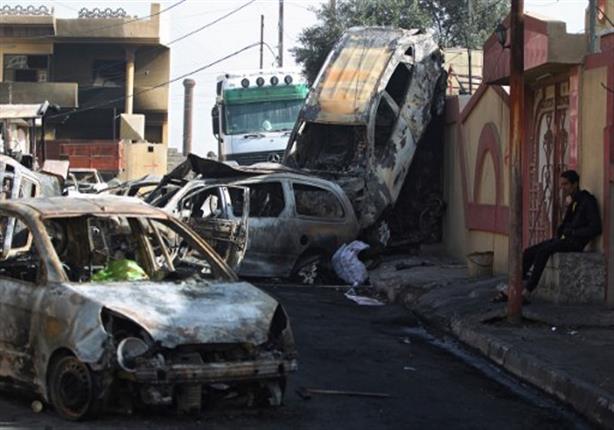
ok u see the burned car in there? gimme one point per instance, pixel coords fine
(18, 181)
(84, 180)
(95, 310)
(365, 115)
(279, 223)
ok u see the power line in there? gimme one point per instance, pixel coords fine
(163, 84)
(199, 29)
(161, 11)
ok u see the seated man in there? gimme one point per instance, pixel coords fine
(580, 225)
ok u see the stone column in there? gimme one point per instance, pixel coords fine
(129, 102)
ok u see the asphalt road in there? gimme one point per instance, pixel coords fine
(344, 346)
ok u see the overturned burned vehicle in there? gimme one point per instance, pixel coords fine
(264, 220)
(95, 310)
(366, 114)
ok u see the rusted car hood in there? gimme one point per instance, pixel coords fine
(189, 312)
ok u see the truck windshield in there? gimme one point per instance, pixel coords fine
(262, 117)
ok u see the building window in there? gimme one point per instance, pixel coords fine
(26, 68)
(109, 73)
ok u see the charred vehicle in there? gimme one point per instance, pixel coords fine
(95, 310)
(365, 115)
(18, 181)
(83, 180)
(266, 220)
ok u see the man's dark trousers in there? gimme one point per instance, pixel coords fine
(537, 256)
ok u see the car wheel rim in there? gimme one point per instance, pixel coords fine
(308, 274)
(74, 388)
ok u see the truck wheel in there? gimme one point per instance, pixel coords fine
(73, 389)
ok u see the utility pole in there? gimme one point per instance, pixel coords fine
(281, 34)
(469, 68)
(261, 39)
(514, 305)
(592, 26)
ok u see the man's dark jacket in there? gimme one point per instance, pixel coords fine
(582, 221)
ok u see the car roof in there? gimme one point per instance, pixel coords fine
(267, 177)
(52, 207)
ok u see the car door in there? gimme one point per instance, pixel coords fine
(211, 212)
(320, 222)
(270, 251)
(20, 283)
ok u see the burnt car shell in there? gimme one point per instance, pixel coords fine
(281, 242)
(366, 113)
(198, 332)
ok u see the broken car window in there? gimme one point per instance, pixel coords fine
(189, 260)
(236, 201)
(384, 123)
(332, 147)
(316, 202)
(22, 261)
(266, 200)
(119, 248)
(399, 83)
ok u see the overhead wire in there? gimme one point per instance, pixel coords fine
(209, 24)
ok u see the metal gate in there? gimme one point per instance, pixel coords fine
(548, 158)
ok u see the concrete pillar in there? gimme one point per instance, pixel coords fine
(187, 115)
(129, 102)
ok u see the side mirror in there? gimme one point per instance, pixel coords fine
(215, 121)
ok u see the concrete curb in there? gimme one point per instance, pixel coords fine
(587, 399)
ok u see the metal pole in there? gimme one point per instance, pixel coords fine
(514, 307)
(592, 26)
(261, 40)
(470, 13)
(281, 33)
(113, 124)
(187, 115)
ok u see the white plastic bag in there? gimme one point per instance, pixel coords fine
(347, 265)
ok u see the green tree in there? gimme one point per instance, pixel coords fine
(448, 19)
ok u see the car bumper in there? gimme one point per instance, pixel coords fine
(216, 372)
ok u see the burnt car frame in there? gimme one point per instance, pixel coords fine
(164, 340)
(365, 115)
(292, 225)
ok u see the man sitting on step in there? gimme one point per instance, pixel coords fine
(581, 224)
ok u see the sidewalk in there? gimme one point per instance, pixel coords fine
(567, 351)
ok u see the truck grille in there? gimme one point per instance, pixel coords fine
(256, 157)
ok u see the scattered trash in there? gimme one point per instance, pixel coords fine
(553, 329)
(413, 369)
(573, 332)
(306, 393)
(405, 340)
(362, 300)
(347, 265)
(37, 406)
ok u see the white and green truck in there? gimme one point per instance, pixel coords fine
(255, 112)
